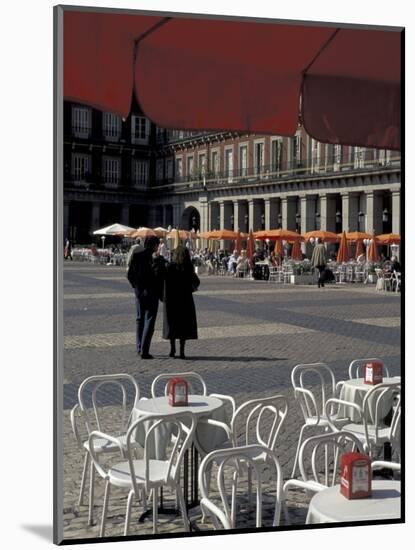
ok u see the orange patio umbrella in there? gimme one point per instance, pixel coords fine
(356, 235)
(296, 253)
(389, 238)
(359, 248)
(142, 232)
(373, 254)
(160, 231)
(275, 234)
(182, 234)
(343, 252)
(250, 245)
(324, 236)
(279, 249)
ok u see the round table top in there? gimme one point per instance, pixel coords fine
(359, 383)
(330, 505)
(199, 405)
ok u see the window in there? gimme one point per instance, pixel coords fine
(243, 160)
(276, 155)
(169, 169)
(179, 168)
(337, 155)
(160, 135)
(140, 172)
(190, 167)
(111, 127)
(315, 155)
(202, 164)
(139, 129)
(229, 164)
(259, 158)
(111, 170)
(215, 163)
(159, 170)
(384, 156)
(81, 122)
(296, 151)
(80, 166)
(359, 157)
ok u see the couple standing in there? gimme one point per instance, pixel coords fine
(154, 279)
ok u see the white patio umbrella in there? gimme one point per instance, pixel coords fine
(114, 229)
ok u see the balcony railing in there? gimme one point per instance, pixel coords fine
(306, 168)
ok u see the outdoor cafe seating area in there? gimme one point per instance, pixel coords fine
(182, 450)
(272, 255)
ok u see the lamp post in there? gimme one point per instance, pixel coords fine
(317, 224)
(232, 221)
(103, 240)
(262, 221)
(279, 219)
(246, 218)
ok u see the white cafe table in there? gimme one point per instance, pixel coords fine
(206, 439)
(354, 391)
(330, 506)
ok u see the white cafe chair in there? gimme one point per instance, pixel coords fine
(256, 424)
(372, 430)
(146, 474)
(275, 274)
(319, 462)
(313, 384)
(228, 464)
(95, 417)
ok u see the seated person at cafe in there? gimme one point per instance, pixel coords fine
(395, 265)
(232, 261)
(242, 265)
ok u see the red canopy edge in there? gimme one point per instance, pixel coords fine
(203, 74)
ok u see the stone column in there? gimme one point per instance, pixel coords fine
(396, 212)
(238, 216)
(95, 216)
(350, 209)
(308, 211)
(271, 207)
(221, 215)
(204, 213)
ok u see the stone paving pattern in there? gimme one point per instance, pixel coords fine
(251, 334)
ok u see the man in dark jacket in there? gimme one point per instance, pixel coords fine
(145, 281)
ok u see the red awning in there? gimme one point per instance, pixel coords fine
(209, 74)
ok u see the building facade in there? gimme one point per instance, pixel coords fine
(135, 173)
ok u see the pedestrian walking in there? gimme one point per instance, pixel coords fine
(68, 250)
(144, 276)
(179, 319)
(318, 261)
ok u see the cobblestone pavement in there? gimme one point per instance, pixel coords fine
(251, 334)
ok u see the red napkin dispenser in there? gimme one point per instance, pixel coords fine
(178, 392)
(373, 373)
(356, 476)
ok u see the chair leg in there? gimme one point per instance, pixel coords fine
(183, 508)
(300, 440)
(208, 476)
(105, 508)
(91, 494)
(249, 487)
(83, 480)
(155, 510)
(128, 512)
(233, 502)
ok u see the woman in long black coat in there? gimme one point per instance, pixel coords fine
(179, 321)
